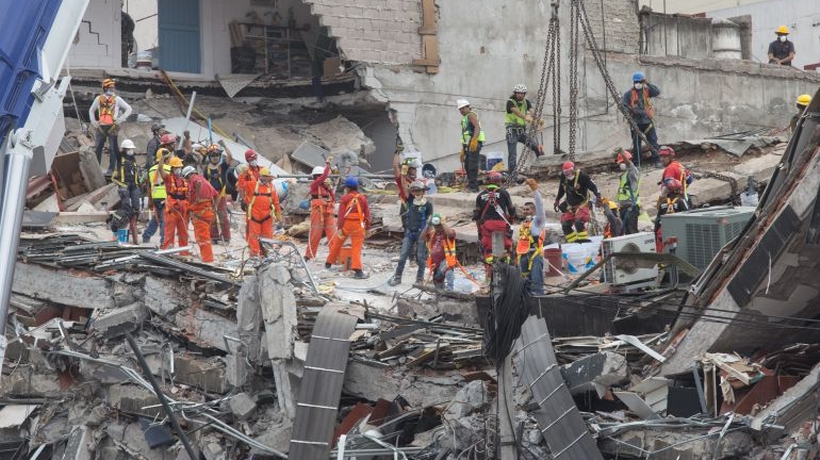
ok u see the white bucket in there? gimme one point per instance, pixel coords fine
(493, 158)
(576, 257)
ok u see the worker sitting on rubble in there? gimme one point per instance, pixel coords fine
(106, 113)
(441, 250)
(519, 113)
(156, 186)
(673, 201)
(530, 246)
(322, 199)
(413, 222)
(781, 51)
(157, 131)
(176, 203)
(576, 184)
(628, 198)
(202, 199)
(802, 102)
(127, 178)
(216, 171)
(263, 208)
(673, 169)
(250, 174)
(493, 213)
(614, 225)
(353, 223)
(472, 139)
(637, 102)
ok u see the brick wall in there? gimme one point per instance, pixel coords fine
(384, 31)
(618, 28)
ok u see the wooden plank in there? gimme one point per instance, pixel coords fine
(428, 17)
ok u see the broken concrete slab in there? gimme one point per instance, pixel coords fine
(690, 444)
(14, 415)
(276, 436)
(797, 404)
(310, 154)
(278, 310)
(419, 389)
(205, 374)
(249, 317)
(78, 444)
(242, 405)
(132, 399)
(206, 328)
(596, 373)
(115, 322)
(73, 218)
(40, 282)
(164, 296)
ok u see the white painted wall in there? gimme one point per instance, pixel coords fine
(802, 17)
(97, 45)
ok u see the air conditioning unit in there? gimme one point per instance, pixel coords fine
(619, 270)
(701, 233)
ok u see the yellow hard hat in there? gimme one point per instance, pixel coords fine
(162, 153)
(175, 162)
(107, 82)
(613, 205)
(782, 30)
(264, 172)
(804, 99)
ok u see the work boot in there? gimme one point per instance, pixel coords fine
(394, 281)
(328, 265)
(132, 225)
(359, 275)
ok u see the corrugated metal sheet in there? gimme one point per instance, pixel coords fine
(179, 48)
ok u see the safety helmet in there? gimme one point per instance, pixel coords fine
(250, 155)
(495, 177)
(804, 99)
(623, 155)
(436, 219)
(352, 182)
(410, 162)
(673, 185)
(567, 166)
(197, 147)
(214, 149)
(163, 153)
(418, 185)
(665, 151)
(175, 162)
(520, 89)
(127, 144)
(782, 30)
(318, 171)
(613, 205)
(265, 172)
(168, 139)
(188, 170)
(638, 76)
(108, 82)
(462, 103)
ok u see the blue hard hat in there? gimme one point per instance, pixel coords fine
(638, 76)
(351, 181)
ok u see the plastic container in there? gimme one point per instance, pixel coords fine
(576, 257)
(749, 199)
(122, 235)
(493, 158)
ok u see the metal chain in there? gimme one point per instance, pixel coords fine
(573, 76)
(731, 180)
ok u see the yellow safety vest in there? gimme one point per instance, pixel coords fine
(467, 129)
(511, 119)
(624, 192)
(156, 182)
(527, 242)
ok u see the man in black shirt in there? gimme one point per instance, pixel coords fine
(574, 211)
(781, 51)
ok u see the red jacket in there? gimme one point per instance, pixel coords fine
(317, 187)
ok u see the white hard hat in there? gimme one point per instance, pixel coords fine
(188, 170)
(127, 144)
(318, 171)
(462, 103)
(197, 147)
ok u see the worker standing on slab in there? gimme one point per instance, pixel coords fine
(519, 113)
(672, 201)
(127, 178)
(637, 102)
(106, 113)
(157, 131)
(577, 185)
(322, 199)
(802, 102)
(156, 186)
(176, 203)
(413, 222)
(529, 248)
(353, 223)
(493, 213)
(781, 51)
(673, 170)
(216, 171)
(202, 199)
(263, 207)
(472, 139)
(441, 249)
(628, 200)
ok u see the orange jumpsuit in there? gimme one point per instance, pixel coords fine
(201, 198)
(263, 204)
(321, 213)
(176, 212)
(354, 220)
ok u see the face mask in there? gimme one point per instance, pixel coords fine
(435, 221)
(176, 171)
(129, 152)
(782, 38)
(638, 86)
(622, 166)
(215, 159)
(420, 200)
(109, 92)
(528, 218)
(253, 163)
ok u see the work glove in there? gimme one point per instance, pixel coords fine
(474, 144)
(555, 206)
(187, 134)
(95, 123)
(528, 118)
(278, 216)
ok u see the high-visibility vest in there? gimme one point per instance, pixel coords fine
(526, 243)
(467, 128)
(647, 101)
(157, 184)
(119, 179)
(511, 119)
(449, 246)
(106, 111)
(625, 192)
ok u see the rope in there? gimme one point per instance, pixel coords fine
(183, 101)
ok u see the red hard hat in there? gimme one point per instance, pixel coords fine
(568, 165)
(495, 177)
(250, 155)
(673, 185)
(666, 151)
(623, 156)
(168, 139)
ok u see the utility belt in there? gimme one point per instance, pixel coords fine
(514, 132)
(260, 221)
(320, 197)
(178, 196)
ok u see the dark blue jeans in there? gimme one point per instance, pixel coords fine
(109, 133)
(421, 254)
(157, 222)
(651, 136)
(515, 135)
(536, 274)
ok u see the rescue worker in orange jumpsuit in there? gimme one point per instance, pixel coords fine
(321, 209)
(353, 222)
(441, 250)
(575, 210)
(202, 199)
(493, 213)
(216, 171)
(176, 203)
(262, 208)
(250, 174)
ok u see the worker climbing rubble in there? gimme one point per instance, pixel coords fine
(672, 201)
(419, 209)
(493, 213)
(802, 102)
(262, 209)
(673, 169)
(156, 187)
(127, 178)
(628, 200)
(107, 113)
(638, 104)
(519, 114)
(203, 199)
(176, 203)
(529, 248)
(353, 222)
(472, 139)
(216, 171)
(575, 211)
(322, 199)
(441, 250)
